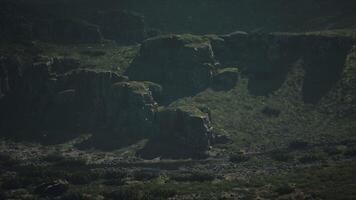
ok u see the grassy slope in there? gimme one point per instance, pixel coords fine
(321, 171)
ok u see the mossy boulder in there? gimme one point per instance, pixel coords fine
(182, 64)
(181, 132)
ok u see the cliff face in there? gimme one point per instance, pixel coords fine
(267, 59)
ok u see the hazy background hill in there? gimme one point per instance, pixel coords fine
(213, 16)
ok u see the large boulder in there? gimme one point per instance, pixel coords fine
(132, 109)
(182, 132)
(127, 116)
(182, 64)
(122, 26)
(83, 96)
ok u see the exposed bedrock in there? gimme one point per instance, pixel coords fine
(267, 58)
(48, 105)
(181, 132)
(182, 64)
(55, 107)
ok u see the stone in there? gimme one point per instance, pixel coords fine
(181, 64)
(85, 93)
(181, 132)
(133, 109)
(268, 58)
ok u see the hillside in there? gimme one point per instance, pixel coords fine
(177, 100)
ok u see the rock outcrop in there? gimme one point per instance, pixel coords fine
(341, 101)
(182, 132)
(267, 58)
(48, 105)
(182, 64)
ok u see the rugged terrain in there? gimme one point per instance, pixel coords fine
(112, 104)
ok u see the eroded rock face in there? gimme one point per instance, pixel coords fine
(342, 100)
(182, 132)
(133, 109)
(182, 64)
(267, 58)
(28, 102)
(81, 99)
(100, 102)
